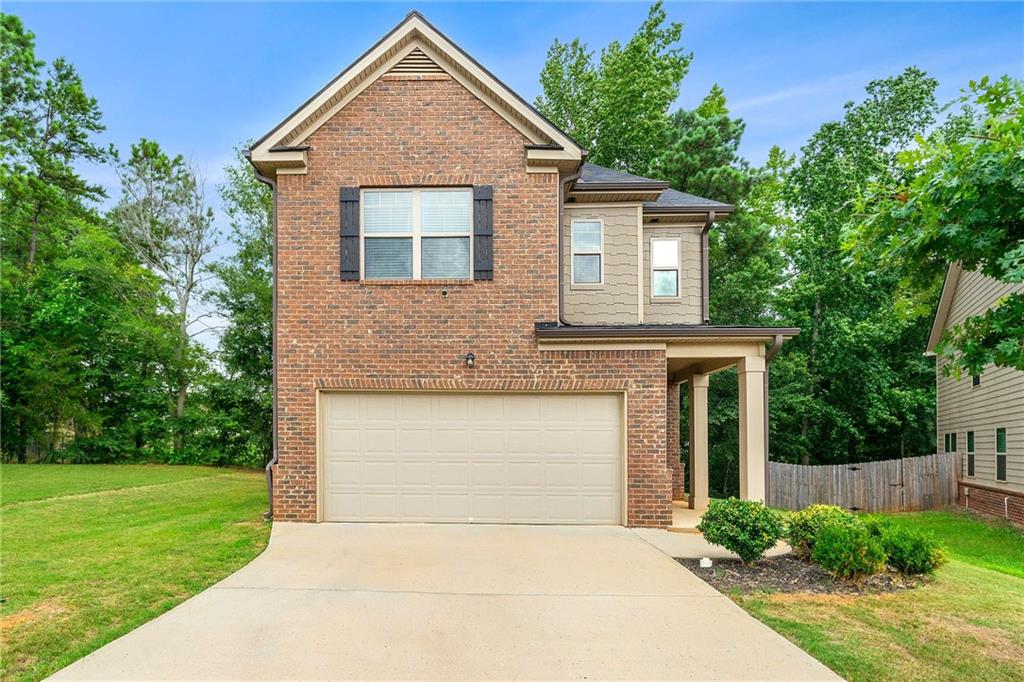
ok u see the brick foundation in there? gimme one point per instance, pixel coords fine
(405, 335)
(984, 500)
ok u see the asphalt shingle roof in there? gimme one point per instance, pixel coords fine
(669, 198)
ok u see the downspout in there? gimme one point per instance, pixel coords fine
(705, 285)
(772, 352)
(563, 183)
(269, 469)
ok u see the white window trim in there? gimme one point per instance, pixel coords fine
(573, 253)
(971, 453)
(678, 268)
(416, 233)
(997, 454)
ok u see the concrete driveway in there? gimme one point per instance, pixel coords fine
(454, 602)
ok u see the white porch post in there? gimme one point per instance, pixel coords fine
(698, 463)
(752, 421)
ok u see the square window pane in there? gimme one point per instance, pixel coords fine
(586, 269)
(664, 253)
(970, 441)
(1000, 440)
(388, 258)
(446, 210)
(387, 212)
(665, 283)
(445, 258)
(586, 237)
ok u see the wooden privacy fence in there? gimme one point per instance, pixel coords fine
(907, 484)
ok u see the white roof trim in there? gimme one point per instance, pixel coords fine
(945, 303)
(413, 32)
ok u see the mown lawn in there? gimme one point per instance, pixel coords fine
(967, 623)
(90, 552)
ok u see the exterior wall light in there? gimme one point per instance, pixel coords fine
(470, 360)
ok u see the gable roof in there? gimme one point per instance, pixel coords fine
(413, 44)
(663, 199)
(674, 200)
(945, 303)
(592, 174)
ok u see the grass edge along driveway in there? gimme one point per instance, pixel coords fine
(967, 623)
(90, 552)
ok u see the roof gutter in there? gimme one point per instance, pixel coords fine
(563, 185)
(705, 294)
(269, 182)
(772, 352)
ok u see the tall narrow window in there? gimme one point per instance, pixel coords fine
(417, 233)
(1001, 454)
(945, 443)
(970, 453)
(664, 268)
(975, 380)
(587, 248)
(952, 442)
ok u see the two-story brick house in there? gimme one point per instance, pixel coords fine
(473, 324)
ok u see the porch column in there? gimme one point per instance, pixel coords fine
(752, 421)
(675, 466)
(698, 460)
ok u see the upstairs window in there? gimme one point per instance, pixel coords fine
(417, 233)
(1001, 454)
(975, 380)
(587, 252)
(970, 453)
(664, 268)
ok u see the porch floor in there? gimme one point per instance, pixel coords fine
(684, 519)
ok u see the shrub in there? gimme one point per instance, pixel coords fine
(747, 528)
(910, 551)
(848, 550)
(803, 526)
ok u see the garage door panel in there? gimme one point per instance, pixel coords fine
(489, 458)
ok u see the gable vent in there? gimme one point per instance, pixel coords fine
(416, 62)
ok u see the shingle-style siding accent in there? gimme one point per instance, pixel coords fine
(687, 308)
(335, 335)
(614, 301)
(997, 402)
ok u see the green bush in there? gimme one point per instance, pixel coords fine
(910, 551)
(848, 550)
(803, 526)
(747, 528)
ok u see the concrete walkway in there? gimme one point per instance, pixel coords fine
(454, 602)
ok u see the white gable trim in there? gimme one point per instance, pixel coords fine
(949, 285)
(413, 32)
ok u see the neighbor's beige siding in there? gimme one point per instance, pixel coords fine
(687, 308)
(615, 300)
(997, 402)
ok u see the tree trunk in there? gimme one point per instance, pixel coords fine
(179, 414)
(805, 422)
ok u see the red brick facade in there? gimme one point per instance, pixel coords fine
(984, 500)
(405, 335)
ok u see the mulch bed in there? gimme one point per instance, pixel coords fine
(787, 573)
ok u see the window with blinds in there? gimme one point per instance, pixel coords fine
(587, 251)
(417, 233)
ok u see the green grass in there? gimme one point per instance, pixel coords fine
(966, 623)
(90, 552)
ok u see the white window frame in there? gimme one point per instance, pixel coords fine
(1004, 454)
(970, 453)
(678, 270)
(416, 232)
(573, 253)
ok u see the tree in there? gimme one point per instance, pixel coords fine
(617, 108)
(960, 198)
(164, 220)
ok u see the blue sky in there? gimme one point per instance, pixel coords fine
(202, 77)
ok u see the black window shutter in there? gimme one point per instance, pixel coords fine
(483, 232)
(349, 216)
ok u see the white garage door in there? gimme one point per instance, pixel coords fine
(484, 458)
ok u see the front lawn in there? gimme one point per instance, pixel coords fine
(968, 623)
(92, 551)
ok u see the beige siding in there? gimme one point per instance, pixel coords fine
(615, 300)
(997, 402)
(687, 308)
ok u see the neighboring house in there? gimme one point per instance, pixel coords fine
(980, 417)
(472, 324)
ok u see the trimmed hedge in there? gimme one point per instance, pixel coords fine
(803, 526)
(746, 528)
(907, 550)
(848, 550)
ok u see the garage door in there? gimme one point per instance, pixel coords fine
(484, 458)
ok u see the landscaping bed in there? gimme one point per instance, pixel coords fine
(788, 574)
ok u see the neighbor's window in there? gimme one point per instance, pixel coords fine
(587, 247)
(417, 233)
(975, 380)
(970, 453)
(945, 443)
(665, 268)
(1001, 454)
